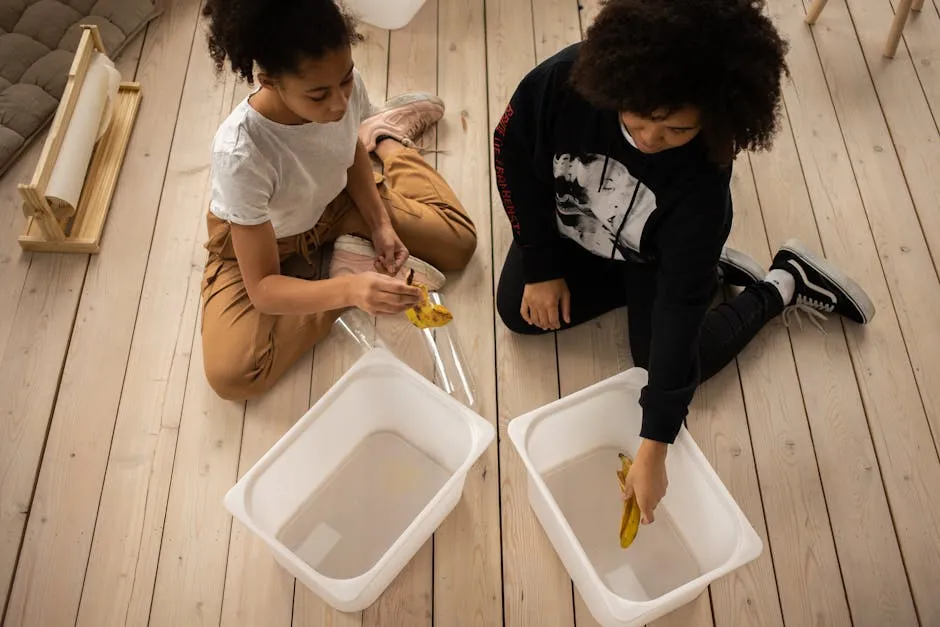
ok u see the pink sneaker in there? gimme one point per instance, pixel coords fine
(354, 255)
(404, 118)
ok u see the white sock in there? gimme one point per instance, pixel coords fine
(784, 282)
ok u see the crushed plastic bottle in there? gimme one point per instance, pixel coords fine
(448, 368)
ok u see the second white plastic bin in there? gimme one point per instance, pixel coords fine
(570, 450)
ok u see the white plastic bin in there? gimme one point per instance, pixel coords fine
(570, 449)
(348, 496)
(389, 14)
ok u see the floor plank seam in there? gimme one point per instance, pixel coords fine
(45, 440)
(760, 490)
(239, 471)
(145, 35)
(934, 114)
(819, 474)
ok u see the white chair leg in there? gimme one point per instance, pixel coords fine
(918, 5)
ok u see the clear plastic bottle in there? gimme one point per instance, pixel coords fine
(441, 360)
(451, 371)
(359, 328)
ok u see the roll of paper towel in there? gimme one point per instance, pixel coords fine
(114, 84)
(90, 120)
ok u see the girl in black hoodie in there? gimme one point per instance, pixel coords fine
(613, 161)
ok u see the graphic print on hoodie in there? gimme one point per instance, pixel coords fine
(593, 194)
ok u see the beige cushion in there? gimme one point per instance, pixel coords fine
(38, 39)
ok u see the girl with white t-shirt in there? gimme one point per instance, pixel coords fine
(291, 172)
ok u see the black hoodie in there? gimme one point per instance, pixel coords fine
(565, 168)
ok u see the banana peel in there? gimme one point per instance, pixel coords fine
(630, 520)
(426, 315)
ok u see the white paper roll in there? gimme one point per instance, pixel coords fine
(68, 173)
(114, 84)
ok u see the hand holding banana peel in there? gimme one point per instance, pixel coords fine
(630, 520)
(426, 315)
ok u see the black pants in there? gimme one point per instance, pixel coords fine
(599, 285)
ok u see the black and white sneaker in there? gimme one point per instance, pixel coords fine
(738, 269)
(821, 287)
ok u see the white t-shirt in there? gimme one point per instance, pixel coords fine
(288, 174)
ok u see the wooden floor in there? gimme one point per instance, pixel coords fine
(115, 454)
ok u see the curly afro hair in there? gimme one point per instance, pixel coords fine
(722, 56)
(275, 35)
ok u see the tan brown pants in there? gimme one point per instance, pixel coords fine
(245, 351)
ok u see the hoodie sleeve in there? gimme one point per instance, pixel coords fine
(689, 246)
(523, 154)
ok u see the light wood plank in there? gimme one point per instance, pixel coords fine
(336, 354)
(412, 58)
(190, 577)
(584, 617)
(14, 262)
(36, 324)
(126, 544)
(589, 10)
(869, 556)
(899, 239)
(467, 576)
(799, 531)
(258, 592)
(905, 258)
(412, 66)
(192, 567)
(719, 424)
(557, 25)
(906, 110)
(371, 58)
(879, 356)
(310, 610)
(696, 612)
(331, 359)
(409, 599)
(29, 376)
(922, 39)
(536, 585)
